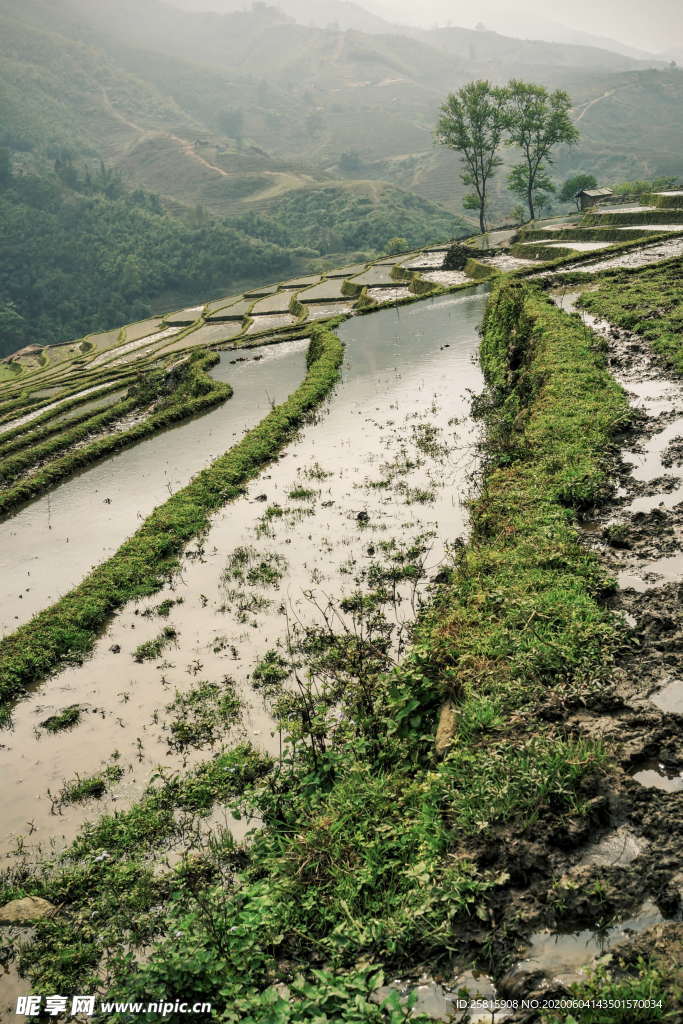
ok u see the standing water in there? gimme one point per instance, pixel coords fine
(48, 547)
(383, 466)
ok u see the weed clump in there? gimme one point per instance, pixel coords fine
(201, 715)
(151, 649)
(91, 787)
(65, 719)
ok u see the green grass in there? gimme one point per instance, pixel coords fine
(66, 632)
(624, 990)
(201, 715)
(64, 719)
(542, 252)
(584, 234)
(375, 853)
(91, 787)
(634, 218)
(152, 649)
(649, 303)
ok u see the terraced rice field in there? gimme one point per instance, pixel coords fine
(272, 322)
(326, 291)
(305, 636)
(277, 303)
(377, 276)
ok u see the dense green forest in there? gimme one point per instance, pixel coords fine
(340, 218)
(72, 263)
(85, 254)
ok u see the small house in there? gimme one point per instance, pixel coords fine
(587, 197)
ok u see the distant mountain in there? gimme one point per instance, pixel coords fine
(231, 111)
(674, 54)
(321, 13)
(511, 20)
(484, 46)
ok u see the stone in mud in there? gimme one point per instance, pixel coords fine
(477, 986)
(669, 698)
(446, 728)
(431, 1000)
(519, 982)
(26, 910)
(618, 848)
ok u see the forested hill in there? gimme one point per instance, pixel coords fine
(237, 147)
(80, 259)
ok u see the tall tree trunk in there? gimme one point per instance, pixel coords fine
(530, 200)
(482, 219)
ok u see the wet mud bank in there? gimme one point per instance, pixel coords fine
(614, 897)
(590, 906)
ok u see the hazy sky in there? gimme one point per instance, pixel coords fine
(646, 24)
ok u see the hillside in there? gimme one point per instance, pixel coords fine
(184, 112)
(257, 138)
(76, 260)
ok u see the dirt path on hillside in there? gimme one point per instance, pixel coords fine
(186, 147)
(281, 182)
(591, 103)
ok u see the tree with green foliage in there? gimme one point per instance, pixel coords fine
(574, 185)
(537, 121)
(473, 123)
(542, 189)
(396, 245)
(12, 329)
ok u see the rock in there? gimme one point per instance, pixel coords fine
(520, 981)
(26, 910)
(477, 986)
(431, 1000)
(115, 648)
(446, 728)
(363, 517)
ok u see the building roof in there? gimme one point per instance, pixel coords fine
(595, 193)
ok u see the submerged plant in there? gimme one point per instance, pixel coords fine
(151, 649)
(64, 719)
(201, 715)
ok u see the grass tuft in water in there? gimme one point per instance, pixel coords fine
(65, 719)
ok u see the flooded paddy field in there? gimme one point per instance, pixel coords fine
(379, 476)
(49, 545)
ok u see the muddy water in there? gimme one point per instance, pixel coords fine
(407, 376)
(564, 956)
(642, 257)
(660, 398)
(47, 547)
